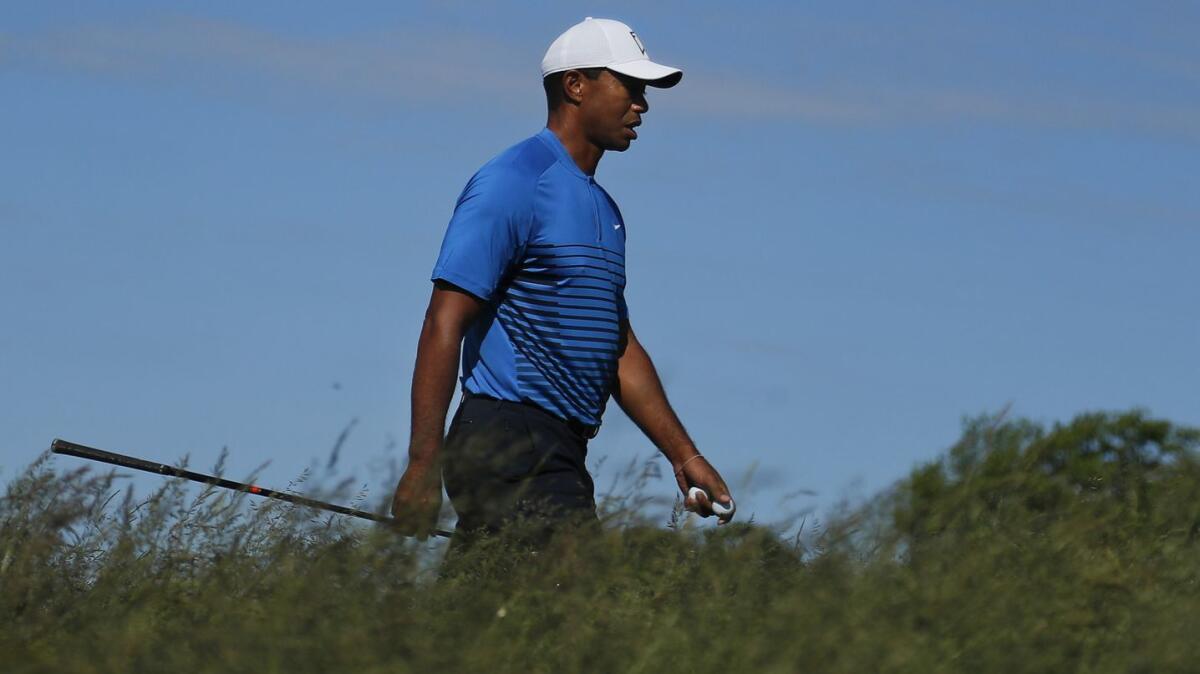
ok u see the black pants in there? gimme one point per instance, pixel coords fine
(507, 463)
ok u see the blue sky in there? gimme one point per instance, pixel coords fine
(849, 226)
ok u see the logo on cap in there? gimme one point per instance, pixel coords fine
(637, 42)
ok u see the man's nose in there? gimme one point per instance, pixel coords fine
(641, 103)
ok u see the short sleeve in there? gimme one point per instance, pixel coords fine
(487, 232)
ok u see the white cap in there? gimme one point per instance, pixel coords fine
(604, 43)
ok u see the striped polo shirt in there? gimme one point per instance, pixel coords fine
(543, 245)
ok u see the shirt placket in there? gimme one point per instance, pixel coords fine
(600, 232)
(595, 211)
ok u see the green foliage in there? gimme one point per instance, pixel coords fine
(1135, 476)
(1024, 549)
(1074, 545)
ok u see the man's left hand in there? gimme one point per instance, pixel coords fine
(698, 472)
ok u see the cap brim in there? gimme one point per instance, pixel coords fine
(654, 74)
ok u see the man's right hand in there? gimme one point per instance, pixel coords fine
(418, 499)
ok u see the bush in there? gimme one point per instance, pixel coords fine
(1024, 549)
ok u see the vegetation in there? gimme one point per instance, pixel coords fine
(1024, 549)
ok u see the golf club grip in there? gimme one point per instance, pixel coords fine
(103, 456)
(93, 454)
(721, 510)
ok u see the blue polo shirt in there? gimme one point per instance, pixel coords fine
(544, 246)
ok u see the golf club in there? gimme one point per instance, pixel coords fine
(93, 454)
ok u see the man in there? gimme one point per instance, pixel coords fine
(530, 281)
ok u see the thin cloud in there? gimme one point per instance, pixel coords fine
(394, 64)
(925, 105)
(729, 97)
(460, 68)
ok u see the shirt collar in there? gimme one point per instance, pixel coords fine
(551, 141)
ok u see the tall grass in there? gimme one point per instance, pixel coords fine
(1024, 549)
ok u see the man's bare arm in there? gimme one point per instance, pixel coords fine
(418, 496)
(450, 313)
(640, 394)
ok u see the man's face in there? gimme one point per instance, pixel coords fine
(612, 106)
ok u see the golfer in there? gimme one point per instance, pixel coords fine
(530, 284)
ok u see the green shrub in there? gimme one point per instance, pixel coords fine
(1024, 549)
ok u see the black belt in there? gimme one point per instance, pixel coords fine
(585, 431)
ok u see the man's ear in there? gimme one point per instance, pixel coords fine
(573, 84)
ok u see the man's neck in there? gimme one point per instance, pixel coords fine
(586, 155)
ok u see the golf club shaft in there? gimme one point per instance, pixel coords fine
(93, 454)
